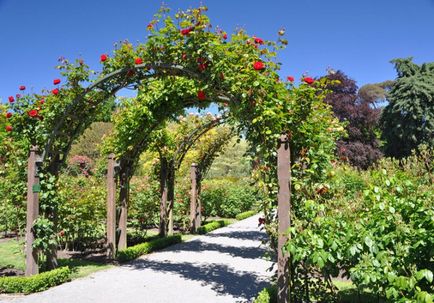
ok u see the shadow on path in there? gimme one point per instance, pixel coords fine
(242, 235)
(247, 252)
(222, 278)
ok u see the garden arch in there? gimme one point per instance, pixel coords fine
(195, 64)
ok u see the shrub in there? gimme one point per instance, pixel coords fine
(35, 283)
(136, 251)
(267, 295)
(246, 214)
(226, 198)
(212, 226)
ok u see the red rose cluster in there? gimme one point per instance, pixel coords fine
(258, 65)
(201, 95)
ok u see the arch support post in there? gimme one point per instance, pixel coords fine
(111, 207)
(283, 213)
(124, 196)
(170, 196)
(163, 199)
(33, 189)
(194, 206)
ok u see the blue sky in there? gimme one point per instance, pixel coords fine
(358, 37)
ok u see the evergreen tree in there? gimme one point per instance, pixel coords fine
(408, 120)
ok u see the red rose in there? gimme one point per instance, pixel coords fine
(202, 67)
(61, 233)
(55, 91)
(225, 36)
(42, 101)
(258, 40)
(261, 221)
(8, 115)
(201, 95)
(11, 99)
(258, 65)
(186, 31)
(290, 78)
(18, 96)
(22, 87)
(56, 81)
(150, 26)
(184, 56)
(308, 80)
(103, 58)
(9, 128)
(33, 113)
(138, 61)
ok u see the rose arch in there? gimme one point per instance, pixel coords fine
(183, 63)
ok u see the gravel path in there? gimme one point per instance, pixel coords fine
(223, 266)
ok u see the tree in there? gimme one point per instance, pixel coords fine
(408, 120)
(356, 108)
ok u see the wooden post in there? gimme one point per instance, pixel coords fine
(124, 198)
(163, 193)
(170, 196)
(111, 208)
(283, 213)
(194, 218)
(33, 188)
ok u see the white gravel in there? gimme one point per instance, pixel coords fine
(226, 265)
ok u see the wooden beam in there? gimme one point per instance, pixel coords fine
(283, 213)
(33, 189)
(111, 208)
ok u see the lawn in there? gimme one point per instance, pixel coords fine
(12, 254)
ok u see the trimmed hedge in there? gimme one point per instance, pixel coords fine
(246, 214)
(267, 295)
(136, 251)
(35, 283)
(212, 226)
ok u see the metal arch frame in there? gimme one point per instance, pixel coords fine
(158, 68)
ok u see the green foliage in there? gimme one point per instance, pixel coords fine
(35, 283)
(232, 162)
(144, 207)
(380, 235)
(213, 225)
(408, 119)
(136, 251)
(82, 212)
(246, 214)
(267, 295)
(226, 198)
(90, 142)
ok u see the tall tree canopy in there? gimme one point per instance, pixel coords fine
(361, 147)
(408, 120)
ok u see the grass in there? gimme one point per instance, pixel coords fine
(12, 254)
(83, 268)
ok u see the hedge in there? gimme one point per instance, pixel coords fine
(136, 251)
(267, 295)
(212, 226)
(246, 214)
(35, 283)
